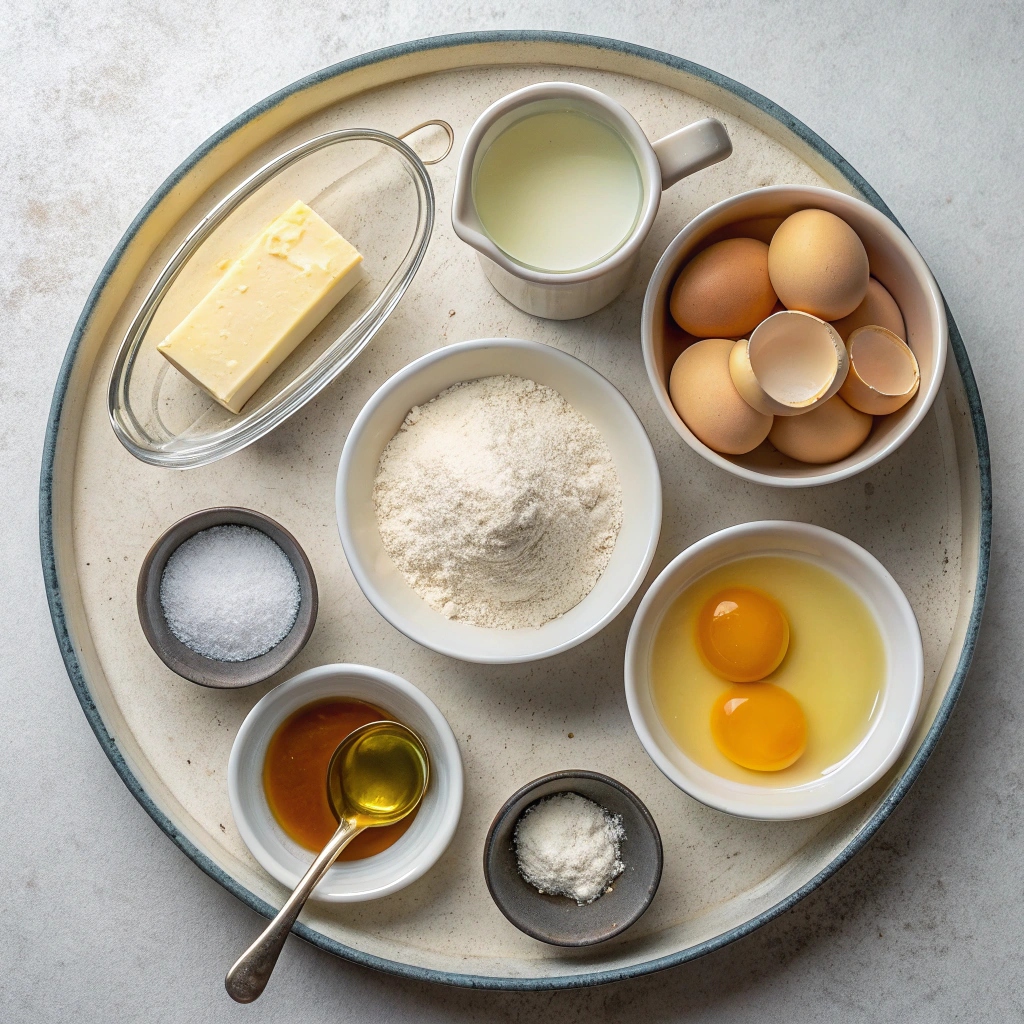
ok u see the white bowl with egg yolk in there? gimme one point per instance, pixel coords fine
(591, 395)
(900, 694)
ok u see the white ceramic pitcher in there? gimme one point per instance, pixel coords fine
(565, 296)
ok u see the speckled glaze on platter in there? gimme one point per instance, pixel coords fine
(924, 512)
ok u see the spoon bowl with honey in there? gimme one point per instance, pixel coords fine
(377, 776)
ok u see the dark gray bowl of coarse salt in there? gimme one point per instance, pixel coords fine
(560, 919)
(226, 597)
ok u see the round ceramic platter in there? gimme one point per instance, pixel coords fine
(924, 513)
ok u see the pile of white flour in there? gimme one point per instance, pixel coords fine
(499, 503)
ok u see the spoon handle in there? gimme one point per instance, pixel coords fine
(249, 976)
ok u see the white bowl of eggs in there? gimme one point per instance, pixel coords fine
(793, 335)
(774, 670)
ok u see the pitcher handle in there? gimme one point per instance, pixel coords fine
(691, 149)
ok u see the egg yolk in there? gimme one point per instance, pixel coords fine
(742, 634)
(759, 726)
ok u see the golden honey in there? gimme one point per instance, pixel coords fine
(295, 776)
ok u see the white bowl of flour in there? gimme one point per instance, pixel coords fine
(558, 526)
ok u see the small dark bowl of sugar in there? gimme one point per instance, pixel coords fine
(226, 597)
(573, 858)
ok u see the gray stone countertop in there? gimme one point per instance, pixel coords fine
(104, 920)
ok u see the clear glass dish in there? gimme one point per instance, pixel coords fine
(369, 186)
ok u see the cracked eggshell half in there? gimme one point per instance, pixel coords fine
(884, 374)
(792, 363)
(707, 401)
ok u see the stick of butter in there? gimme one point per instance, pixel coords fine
(268, 300)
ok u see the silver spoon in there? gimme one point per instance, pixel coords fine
(377, 776)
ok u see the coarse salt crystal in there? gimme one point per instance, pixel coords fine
(230, 593)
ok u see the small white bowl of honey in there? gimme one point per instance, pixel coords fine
(277, 781)
(774, 670)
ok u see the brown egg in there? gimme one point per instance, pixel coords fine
(724, 291)
(818, 265)
(826, 434)
(707, 401)
(878, 309)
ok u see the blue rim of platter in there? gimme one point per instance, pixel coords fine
(109, 744)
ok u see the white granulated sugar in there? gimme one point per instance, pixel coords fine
(567, 845)
(229, 593)
(499, 503)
